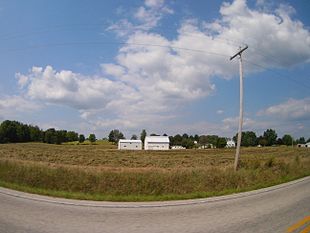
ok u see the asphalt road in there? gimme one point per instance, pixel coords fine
(268, 210)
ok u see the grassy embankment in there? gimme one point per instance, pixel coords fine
(98, 172)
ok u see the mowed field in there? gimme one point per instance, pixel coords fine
(101, 172)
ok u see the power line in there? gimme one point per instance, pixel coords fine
(106, 43)
(279, 74)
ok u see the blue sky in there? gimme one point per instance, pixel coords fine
(157, 65)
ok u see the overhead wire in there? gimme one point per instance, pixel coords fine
(84, 26)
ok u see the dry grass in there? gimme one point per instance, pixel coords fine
(138, 175)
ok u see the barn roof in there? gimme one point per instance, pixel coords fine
(157, 139)
(128, 140)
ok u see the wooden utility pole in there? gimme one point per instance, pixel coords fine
(241, 106)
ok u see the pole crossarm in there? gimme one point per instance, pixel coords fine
(239, 53)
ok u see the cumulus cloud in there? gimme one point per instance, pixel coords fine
(153, 76)
(147, 16)
(12, 105)
(293, 109)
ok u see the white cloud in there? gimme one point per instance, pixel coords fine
(292, 109)
(148, 16)
(10, 106)
(153, 76)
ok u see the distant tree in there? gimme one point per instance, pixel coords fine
(287, 140)
(165, 135)
(196, 137)
(72, 136)
(262, 141)
(248, 138)
(279, 141)
(221, 142)
(35, 134)
(185, 135)
(301, 140)
(143, 135)
(81, 138)
(271, 137)
(308, 140)
(154, 134)
(134, 137)
(115, 135)
(92, 138)
(203, 140)
(177, 140)
(8, 131)
(61, 136)
(50, 136)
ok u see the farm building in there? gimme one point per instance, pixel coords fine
(156, 143)
(124, 144)
(230, 144)
(178, 148)
(304, 145)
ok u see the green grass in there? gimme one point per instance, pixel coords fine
(96, 173)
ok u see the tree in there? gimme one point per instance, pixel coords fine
(143, 135)
(115, 135)
(271, 137)
(301, 140)
(9, 131)
(177, 140)
(248, 139)
(287, 140)
(221, 142)
(72, 136)
(134, 137)
(279, 141)
(81, 138)
(262, 141)
(92, 138)
(35, 133)
(50, 136)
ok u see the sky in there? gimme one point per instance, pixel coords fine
(163, 66)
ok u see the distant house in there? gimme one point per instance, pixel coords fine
(207, 146)
(230, 144)
(304, 145)
(178, 148)
(124, 144)
(156, 143)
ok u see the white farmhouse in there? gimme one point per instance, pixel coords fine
(230, 144)
(156, 143)
(124, 144)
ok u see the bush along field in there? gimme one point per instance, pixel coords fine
(97, 172)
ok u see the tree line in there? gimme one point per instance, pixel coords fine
(249, 138)
(14, 131)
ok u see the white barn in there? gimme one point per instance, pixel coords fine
(124, 144)
(156, 143)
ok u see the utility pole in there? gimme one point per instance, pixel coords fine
(241, 106)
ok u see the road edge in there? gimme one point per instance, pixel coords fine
(107, 204)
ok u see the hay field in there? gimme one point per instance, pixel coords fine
(101, 173)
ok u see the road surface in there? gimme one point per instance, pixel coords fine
(273, 209)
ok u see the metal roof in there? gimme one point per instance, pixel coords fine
(128, 140)
(157, 139)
